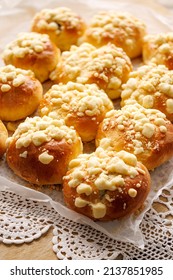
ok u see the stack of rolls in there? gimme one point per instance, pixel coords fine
(90, 66)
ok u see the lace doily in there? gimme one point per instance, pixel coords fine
(70, 240)
(23, 220)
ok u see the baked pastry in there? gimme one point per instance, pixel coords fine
(108, 67)
(81, 106)
(32, 51)
(146, 133)
(20, 93)
(63, 26)
(40, 149)
(152, 87)
(157, 48)
(3, 138)
(122, 29)
(106, 185)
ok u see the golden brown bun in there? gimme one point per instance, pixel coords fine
(33, 51)
(40, 150)
(12, 125)
(63, 26)
(157, 49)
(90, 190)
(121, 29)
(152, 87)
(81, 106)
(108, 67)
(144, 132)
(20, 93)
(85, 126)
(3, 138)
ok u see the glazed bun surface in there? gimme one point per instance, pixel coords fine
(146, 133)
(32, 51)
(63, 26)
(81, 106)
(3, 138)
(106, 185)
(40, 149)
(108, 67)
(122, 29)
(157, 49)
(152, 87)
(20, 93)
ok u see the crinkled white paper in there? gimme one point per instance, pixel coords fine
(15, 17)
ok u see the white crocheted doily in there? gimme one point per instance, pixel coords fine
(23, 220)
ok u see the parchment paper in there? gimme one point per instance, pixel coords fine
(15, 17)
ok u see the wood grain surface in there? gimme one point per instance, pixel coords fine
(40, 249)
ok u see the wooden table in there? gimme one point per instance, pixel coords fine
(40, 249)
